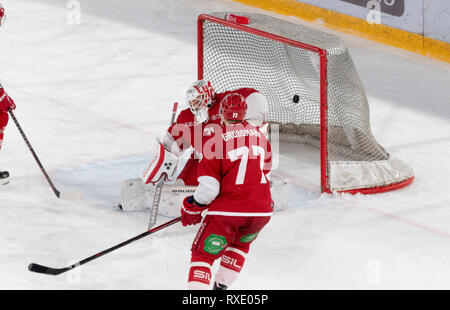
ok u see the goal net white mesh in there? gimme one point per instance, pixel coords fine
(282, 60)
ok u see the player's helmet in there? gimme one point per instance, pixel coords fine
(233, 107)
(2, 14)
(199, 98)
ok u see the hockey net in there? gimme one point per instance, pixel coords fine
(314, 94)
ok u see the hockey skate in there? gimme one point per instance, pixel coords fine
(4, 177)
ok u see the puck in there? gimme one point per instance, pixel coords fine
(296, 98)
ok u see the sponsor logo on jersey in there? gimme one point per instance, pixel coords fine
(203, 275)
(214, 244)
(249, 237)
(199, 234)
(231, 262)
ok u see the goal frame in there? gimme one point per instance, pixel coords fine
(322, 54)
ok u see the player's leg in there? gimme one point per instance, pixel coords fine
(4, 175)
(233, 258)
(231, 264)
(211, 240)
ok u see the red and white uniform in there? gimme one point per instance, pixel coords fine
(3, 123)
(3, 114)
(236, 190)
(237, 183)
(187, 132)
(6, 103)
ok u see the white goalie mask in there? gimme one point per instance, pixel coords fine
(199, 98)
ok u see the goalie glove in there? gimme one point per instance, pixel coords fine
(191, 211)
(163, 164)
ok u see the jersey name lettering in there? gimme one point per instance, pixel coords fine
(240, 133)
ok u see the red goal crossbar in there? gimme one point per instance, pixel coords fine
(324, 167)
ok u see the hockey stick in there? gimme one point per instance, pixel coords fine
(160, 184)
(62, 195)
(56, 271)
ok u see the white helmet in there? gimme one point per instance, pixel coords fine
(199, 98)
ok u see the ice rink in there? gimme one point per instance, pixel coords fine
(92, 97)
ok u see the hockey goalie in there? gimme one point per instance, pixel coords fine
(177, 154)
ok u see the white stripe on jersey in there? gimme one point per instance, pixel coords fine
(249, 214)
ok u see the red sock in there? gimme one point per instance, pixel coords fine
(200, 273)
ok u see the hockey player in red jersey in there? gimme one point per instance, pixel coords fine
(234, 191)
(192, 123)
(6, 103)
(181, 146)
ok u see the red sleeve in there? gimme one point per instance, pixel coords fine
(182, 118)
(3, 119)
(3, 123)
(178, 129)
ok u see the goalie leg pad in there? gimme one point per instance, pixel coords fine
(137, 196)
(132, 196)
(281, 193)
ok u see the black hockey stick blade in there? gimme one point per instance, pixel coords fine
(46, 270)
(56, 271)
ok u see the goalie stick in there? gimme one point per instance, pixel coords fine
(62, 195)
(56, 271)
(160, 184)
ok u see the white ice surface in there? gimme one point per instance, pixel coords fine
(90, 97)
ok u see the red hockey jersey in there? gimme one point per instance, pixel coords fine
(234, 172)
(186, 131)
(3, 123)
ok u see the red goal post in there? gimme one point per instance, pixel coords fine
(323, 80)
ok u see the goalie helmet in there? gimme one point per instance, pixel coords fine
(199, 98)
(233, 107)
